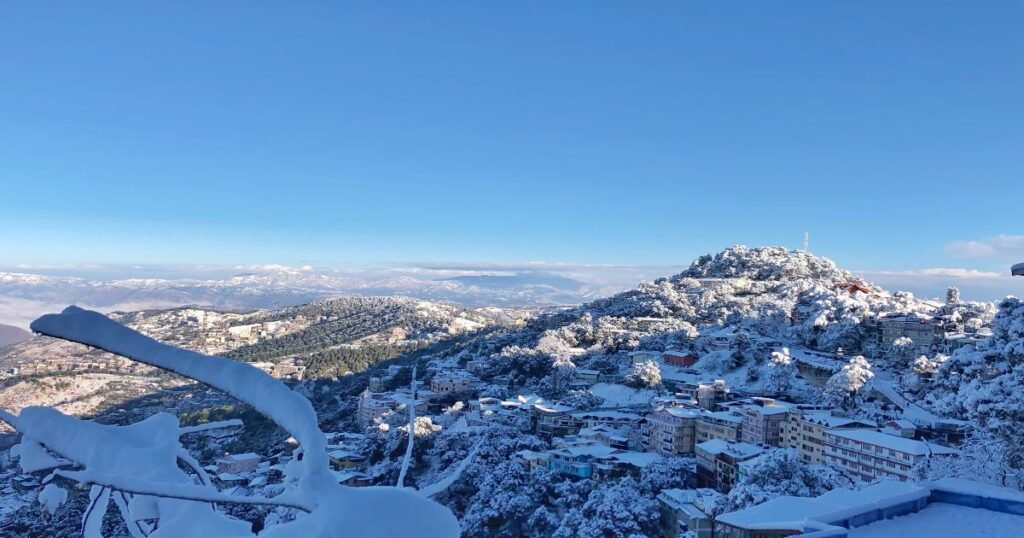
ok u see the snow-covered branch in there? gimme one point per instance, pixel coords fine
(183, 492)
(232, 423)
(267, 395)
(407, 459)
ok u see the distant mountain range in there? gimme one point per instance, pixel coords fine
(12, 335)
(25, 296)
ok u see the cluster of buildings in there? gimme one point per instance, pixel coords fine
(111, 364)
(293, 368)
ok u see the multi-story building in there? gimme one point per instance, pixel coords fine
(764, 421)
(871, 454)
(806, 433)
(718, 462)
(686, 510)
(584, 459)
(672, 430)
(924, 330)
(553, 420)
(707, 394)
(454, 381)
(725, 425)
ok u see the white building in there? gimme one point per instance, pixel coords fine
(872, 454)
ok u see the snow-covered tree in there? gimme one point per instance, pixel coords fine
(779, 372)
(902, 353)
(780, 472)
(645, 374)
(953, 296)
(612, 510)
(160, 490)
(843, 388)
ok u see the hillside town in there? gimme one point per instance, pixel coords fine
(794, 418)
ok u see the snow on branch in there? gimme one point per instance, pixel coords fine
(183, 492)
(267, 395)
(407, 459)
(141, 460)
(232, 423)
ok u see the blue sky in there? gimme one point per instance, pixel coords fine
(369, 133)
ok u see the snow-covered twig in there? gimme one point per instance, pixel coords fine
(412, 431)
(232, 423)
(183, 492)
(187, 459)
(441, 485)
(251, 385)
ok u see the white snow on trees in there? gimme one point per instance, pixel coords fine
(140, 460)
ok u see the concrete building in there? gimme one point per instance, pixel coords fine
(871, 454)
(238, 463)
(924, 330)
(805, 432)
(553, 420)
(764, 421)
(707, 394)
(685, 510)
(454, 381)
(724, 425)
(672, 430)
(949, 507)
(718, 462)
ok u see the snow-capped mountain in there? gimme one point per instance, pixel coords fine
(25, 296)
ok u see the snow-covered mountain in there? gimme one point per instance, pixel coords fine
(25, 296)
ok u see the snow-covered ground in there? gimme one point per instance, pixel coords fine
(622, 396)
(941, 519)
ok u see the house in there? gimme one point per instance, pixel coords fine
(454, 381)
(718, 462)
(672, 430)
(902, 428)
(553, 420)
(921, 328)
(618, 424)
(352, 478)
(637, 357)
(948, 507)
(533, 461)
(589, 460)
(342, 458)
(871, 454)
(708, 394)
(805, 432)
(685, 510)
(238, 463)
(764, 421)
(679, 358)
(725, 425)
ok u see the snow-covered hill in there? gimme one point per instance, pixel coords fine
(26, 296)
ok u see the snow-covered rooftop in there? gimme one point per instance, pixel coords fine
(894, 442)
(788, 512)
(941, 519)
(721, 446)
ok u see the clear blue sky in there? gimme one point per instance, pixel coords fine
(597, 132)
